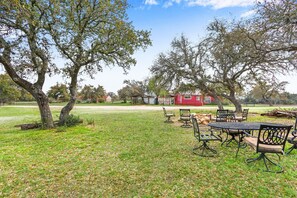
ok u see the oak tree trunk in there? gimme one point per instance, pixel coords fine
(231, 97)
(65, 112)
(44, 109)
(218, 102)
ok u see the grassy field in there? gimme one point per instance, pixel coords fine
(127, 154)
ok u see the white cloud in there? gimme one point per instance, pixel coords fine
(215, 4)
(248, 13)
(170, 3)
(151, 2)
(218, 4)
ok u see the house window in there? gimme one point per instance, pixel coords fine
(207, 99)
(198, 98)
(188, 97)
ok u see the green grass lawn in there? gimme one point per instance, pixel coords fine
(127, 154)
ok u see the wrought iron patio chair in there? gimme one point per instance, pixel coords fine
(244, 115)
(168, 115)
(292, 138)
(185, 117)
(204, 137)
(221, 115)
(232, 132)
(271, 139)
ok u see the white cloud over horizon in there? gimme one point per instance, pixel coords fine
(215, 4)
(219, 4)
(248, 13)
(151, 2)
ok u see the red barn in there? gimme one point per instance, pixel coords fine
(195, 99)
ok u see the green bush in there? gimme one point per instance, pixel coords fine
(71, 120)
(101, 100)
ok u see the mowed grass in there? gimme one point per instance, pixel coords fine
(128, 154)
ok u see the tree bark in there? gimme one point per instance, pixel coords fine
(215, 96)
(236, 103)
(231, 97)
(66, 109)
(65, 112)
(44, 109)
(218, 102)
(35, 89)
(157, 100)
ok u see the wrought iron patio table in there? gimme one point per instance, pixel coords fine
(246, 128)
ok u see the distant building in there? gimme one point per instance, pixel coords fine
(108, 99)
(195, 99)
(192, 99)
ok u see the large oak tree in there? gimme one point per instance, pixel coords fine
(90, 35)
(24, 50)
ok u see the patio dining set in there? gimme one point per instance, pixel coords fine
(264, 138)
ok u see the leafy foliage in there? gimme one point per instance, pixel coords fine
(91, 94)
(9, 91)
(124, 93)
(59, 92)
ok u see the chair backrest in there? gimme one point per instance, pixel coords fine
(231, 117)
(184, 112)
(273, 135)
(221, 115)
(245, 113)
(222, 112)
(196, 127)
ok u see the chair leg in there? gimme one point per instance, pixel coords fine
(210, 149)
(227, 141)
(186, 124)
(168, 120)
(265, 159)
(250, 160)
(291, 149)
(204, 147)
(244, 145)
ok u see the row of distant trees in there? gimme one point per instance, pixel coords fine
(89, 93)
(11, 92)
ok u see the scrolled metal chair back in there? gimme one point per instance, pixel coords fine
(273, 135)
